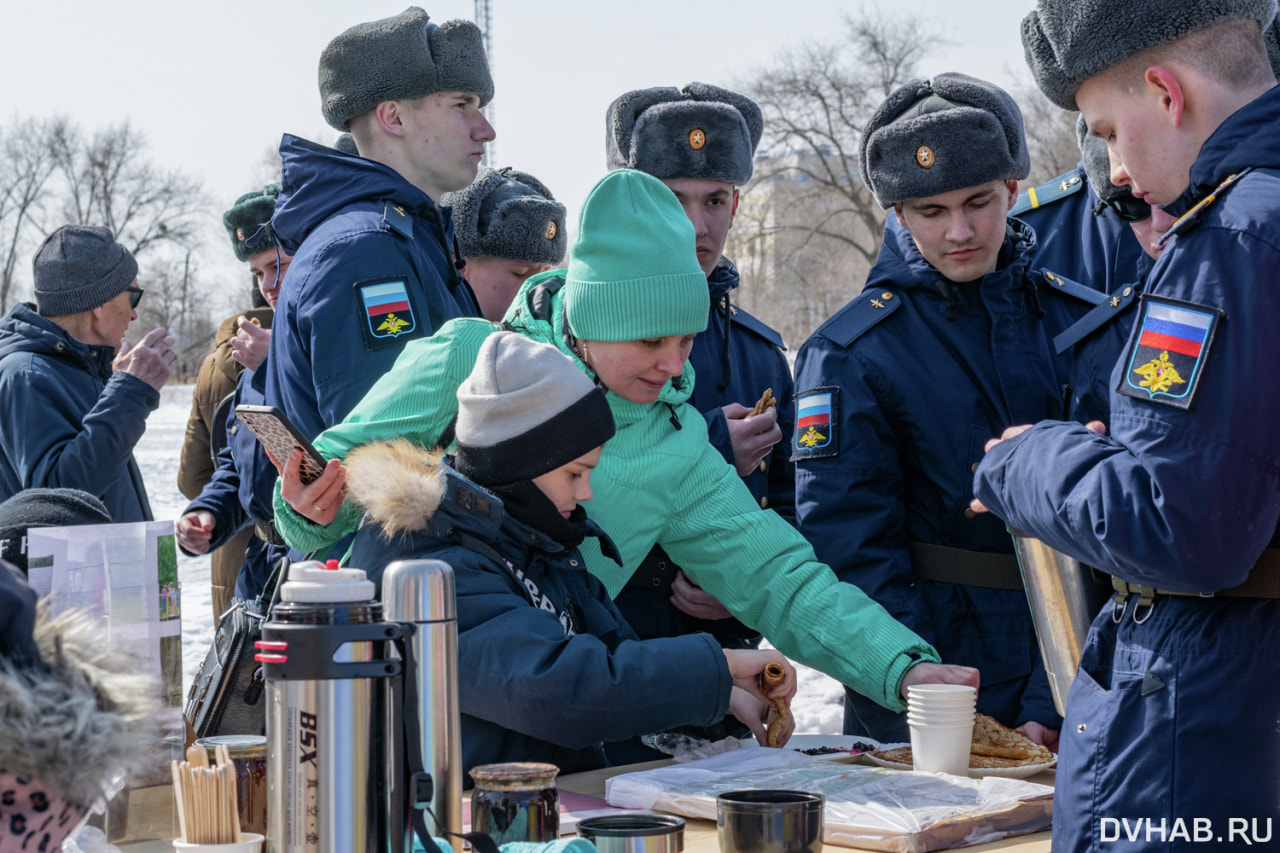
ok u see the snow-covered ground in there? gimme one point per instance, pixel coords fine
(817, 707)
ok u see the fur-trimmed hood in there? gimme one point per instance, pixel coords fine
(399, 483)
(82, 723)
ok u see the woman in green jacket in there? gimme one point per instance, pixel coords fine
(626, 310)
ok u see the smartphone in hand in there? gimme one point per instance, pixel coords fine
(279, 436)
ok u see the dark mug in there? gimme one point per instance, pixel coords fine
(641, 832)
(769, 821)
(517, 801)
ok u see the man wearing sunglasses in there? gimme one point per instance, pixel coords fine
(74, 392)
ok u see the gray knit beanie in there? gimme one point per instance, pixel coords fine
(700, 131)
(78, 268)
(400, 58)
(1068, 41)
(508, 214)
(248, 222)
(525, 410)
(932, 137)
(44, 508)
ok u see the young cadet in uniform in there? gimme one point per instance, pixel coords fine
(509, 227)
(896, 390)
(700, 142)
(216, 519)
(1171, 723)
(626, 310)
(373, 263)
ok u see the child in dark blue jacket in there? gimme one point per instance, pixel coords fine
(548, 668)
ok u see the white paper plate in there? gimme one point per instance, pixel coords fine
(1021, 772)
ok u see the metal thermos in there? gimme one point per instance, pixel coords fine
(334, 741)
(1064, 595)
(422, 592)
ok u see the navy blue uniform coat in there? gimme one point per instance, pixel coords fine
(1177, 717)
(917, 394)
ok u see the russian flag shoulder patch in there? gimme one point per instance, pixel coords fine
(1168, 351)
(386, 314)
(817, 416)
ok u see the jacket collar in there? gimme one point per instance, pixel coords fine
(723, 279)
(26, 330)
(1248, 138)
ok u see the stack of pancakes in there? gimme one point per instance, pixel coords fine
(993, 746)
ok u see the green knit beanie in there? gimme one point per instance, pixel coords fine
(633, 271)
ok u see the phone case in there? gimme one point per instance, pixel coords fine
(278, 435)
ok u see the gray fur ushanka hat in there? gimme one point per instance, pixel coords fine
(700, 131)
(506, 213)
(402, 57)
(248, 222)
(932, 137)
(1068, 41)
(1097, 163)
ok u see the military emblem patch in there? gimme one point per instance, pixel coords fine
(1168, 353)
(817, 413)
(697, 139)
(387, 317)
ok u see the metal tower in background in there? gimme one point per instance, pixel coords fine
(484, 20)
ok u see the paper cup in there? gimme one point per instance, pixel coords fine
(252, 843)
(941, 749)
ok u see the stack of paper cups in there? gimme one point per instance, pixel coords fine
(941, 721)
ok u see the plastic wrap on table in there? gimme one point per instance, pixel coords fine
(867, 807)
(682, 747)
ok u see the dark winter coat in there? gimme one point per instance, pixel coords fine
(67, 420)
(1181, 494)
(531, 688)
(353, 225)
(921, 372)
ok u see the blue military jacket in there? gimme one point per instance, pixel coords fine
(549, 681)
(896, 395)
(1098, 250)
(373, 268)
(1182, 494)
(66, 419)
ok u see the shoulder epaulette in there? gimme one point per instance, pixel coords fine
(397, 219)
(862, 314)
(1050, 191)
(1106, 307)
(747, 320)
(1192, 217)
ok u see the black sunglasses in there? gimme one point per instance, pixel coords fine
(1128, 208)
(135, 295)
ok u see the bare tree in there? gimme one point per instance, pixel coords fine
(25, 169)
(809, 229)
(109, 181)
(1051, 134)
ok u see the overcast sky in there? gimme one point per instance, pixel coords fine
(213, 85)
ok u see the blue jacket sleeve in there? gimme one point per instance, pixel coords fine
(1182, 499)
(221, 497)
(68, 448)
(850, 505)
(518, 669)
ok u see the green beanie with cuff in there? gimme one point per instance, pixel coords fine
(633, 271)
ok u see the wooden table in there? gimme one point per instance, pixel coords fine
(700, 835)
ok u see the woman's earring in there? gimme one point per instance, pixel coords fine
(586, 357)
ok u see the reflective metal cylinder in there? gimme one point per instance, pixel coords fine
(422, 592)
(334, 746)
(1064, 595)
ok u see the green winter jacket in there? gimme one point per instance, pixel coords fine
(656, 484)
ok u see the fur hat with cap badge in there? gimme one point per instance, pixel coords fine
(933, 136)
(700, 131)
(505, 213)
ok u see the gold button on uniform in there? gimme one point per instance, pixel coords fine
(973, 469)
(763, 466)
(764, 503)
(969, 513)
